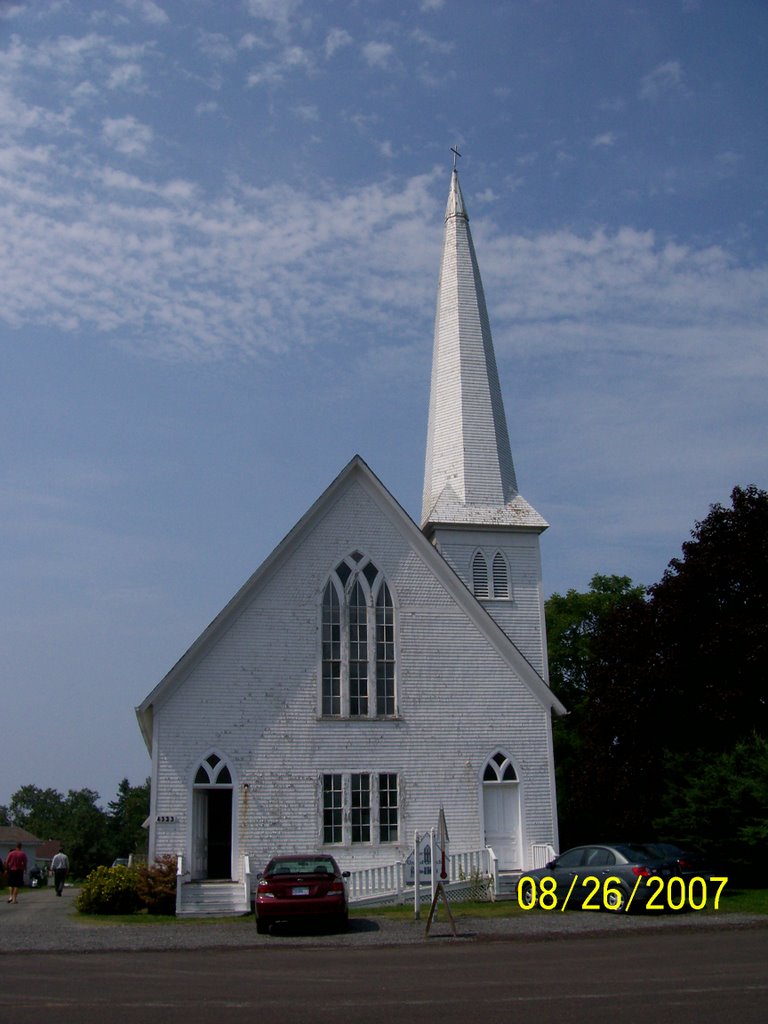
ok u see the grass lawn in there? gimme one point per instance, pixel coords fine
(732, 901)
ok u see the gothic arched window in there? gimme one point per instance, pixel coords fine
(499, 769)
(500, 576)
(480, 575)
(213, 772)
(358, 642)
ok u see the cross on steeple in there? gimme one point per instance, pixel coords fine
(456, 153)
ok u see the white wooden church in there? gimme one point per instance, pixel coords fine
(372, 670)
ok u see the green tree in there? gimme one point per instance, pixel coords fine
(577, 627)
(573, 622)
(662, 687)
(39, 811)
(719, 803)
(127, 814)
(85, 832)
(75, 819)
(712, 627)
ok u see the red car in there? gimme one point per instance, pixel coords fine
(308, 886)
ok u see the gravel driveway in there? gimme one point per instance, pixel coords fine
(42, 922)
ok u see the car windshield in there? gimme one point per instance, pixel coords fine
(301, 866)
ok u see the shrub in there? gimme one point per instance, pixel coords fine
(109, 891)
(156, 885)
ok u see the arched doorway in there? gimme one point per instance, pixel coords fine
(212, 820)
(501, 810)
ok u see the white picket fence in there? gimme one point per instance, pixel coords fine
(475, 871)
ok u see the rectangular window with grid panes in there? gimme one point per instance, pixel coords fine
(360, 808)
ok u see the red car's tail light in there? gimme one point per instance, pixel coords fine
(642, 871)
(336, 887)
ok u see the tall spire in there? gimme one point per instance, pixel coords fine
(469, 475)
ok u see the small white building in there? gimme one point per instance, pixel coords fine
(371, 670)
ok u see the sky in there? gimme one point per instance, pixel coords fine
(220, 228)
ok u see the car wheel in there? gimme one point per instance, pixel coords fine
(262, 926)
(343, 923)
(615, 900)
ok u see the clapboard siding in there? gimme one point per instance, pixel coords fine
(522, 615)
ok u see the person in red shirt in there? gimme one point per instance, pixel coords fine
(15, 865)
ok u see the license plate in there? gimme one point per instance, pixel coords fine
(301, 890)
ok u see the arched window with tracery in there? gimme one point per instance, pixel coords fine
(213, 772)
(358, 642)
(499, 768)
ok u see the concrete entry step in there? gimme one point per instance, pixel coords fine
(213, 899)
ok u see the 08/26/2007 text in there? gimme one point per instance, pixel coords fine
(608, 893)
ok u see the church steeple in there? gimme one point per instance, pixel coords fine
(469, 474)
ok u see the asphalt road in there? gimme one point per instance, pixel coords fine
(677, 977)
(542, 968)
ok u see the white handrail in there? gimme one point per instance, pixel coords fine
(543, 853)
(179, 881)
(247, 879)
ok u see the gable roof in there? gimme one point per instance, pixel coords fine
(356, 471)
(15, 834)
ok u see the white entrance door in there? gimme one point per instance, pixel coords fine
(501, 813)
(200, 833)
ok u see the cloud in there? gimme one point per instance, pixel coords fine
(159, 267)
(278, 14)
(127, 135)
(606, 139)
(148, 11)
(307, 112)
(666, 79)
(172, 190)
(378, 55)
(625, 291)
(217, 46)
(292, 59)
(153, 265)
(127, 76)
(429, 42)
(336, 39)
(11, 10)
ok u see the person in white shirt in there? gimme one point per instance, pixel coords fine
(60, 867)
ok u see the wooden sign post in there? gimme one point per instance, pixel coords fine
(440, 891)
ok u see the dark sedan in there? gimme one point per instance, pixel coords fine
(689, 862)
(601, 877)
(306, 887)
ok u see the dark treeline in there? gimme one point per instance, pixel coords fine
(90, 835)
(667, 735)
